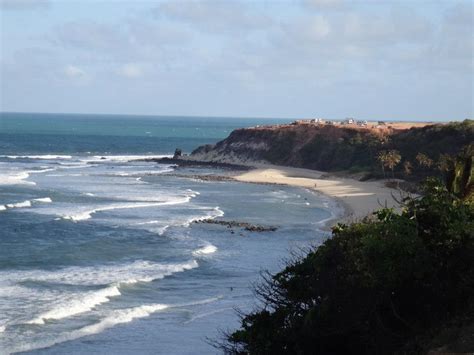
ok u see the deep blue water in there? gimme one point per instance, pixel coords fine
(99, 252)
(25, 133)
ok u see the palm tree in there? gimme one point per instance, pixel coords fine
(424, 160)
(393, 159)
(382, 158)
(389, 159)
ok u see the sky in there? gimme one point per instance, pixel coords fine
(372, 59)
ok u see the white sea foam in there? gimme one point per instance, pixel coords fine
(121, 158)
(193, 193)
(15, 178)
(111, 319)
(80, 305)
(116, 317)
(74, 166)
(43, 200)
(121, 316)
(111, 275)
(26, 203)
(39, 171)
(207, 314)
(197, 303)
(84, 215)
(148, 222)
(141, 173)
(66, 304)
(208, 249)
(162, 230)
(214, 213)
(45, 157)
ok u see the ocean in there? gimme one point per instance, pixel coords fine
(99, 252)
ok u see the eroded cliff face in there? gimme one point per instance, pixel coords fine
(331, 148)
(311, 146)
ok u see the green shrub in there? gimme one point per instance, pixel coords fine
(371, 288)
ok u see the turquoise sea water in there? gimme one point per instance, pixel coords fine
(99, 252)
(25, 133)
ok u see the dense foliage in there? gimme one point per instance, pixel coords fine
(459, 173)
(419, 147)
(373, 287)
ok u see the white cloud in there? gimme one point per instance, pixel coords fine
(131, 70)
(287, 50)
(72, 71)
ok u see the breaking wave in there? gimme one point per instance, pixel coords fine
(82, 304)
(208, 249)
(25, 204)
(81, 216)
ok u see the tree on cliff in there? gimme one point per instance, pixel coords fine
(389, 159)
(393, 159)
(423, 160)
(382, 158)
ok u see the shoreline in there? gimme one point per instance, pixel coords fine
(356, 199)
(353, 199)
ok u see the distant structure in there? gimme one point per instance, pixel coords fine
(349, 120)
(300, 122)
(362, 123)
(309, 121)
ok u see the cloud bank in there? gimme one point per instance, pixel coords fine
(241, 58)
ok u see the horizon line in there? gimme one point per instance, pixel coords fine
(225, 117)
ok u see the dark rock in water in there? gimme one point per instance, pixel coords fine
(209, 177)
(235, 224)
(197, 163)
(103, 158)
(177, 153)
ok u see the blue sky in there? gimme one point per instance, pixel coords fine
(372, 59)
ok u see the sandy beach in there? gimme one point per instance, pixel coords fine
(358, 198)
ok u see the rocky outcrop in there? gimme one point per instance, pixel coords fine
(235, 224)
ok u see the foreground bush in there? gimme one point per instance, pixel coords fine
(373, 287)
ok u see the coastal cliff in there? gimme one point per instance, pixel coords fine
(338, 147)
